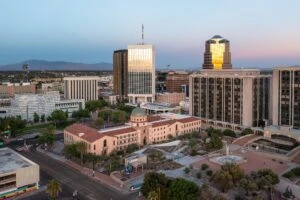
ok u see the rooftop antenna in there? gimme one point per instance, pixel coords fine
(142, 33)
(25, 68)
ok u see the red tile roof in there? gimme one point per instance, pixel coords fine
(188, 119)
(163, 123)
(119, 131)
(172, 121)
(89, 134)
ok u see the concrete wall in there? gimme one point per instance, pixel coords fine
(28, 175)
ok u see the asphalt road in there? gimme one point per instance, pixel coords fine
(87, 188)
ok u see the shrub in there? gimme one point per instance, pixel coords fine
(187, 170)
(209, 172)
(204, 166)
(193, 152)
(199, 175)
(247, 131)
(289, 175)
(229, 133)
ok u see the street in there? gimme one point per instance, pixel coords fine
(70, 178)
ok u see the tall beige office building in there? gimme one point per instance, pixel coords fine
(82, 87)
(217, 54)
(286, 96)
(141, 73)
(120, 70)
(231, 98)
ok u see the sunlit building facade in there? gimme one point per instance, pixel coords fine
(141, 73)
(217, 54)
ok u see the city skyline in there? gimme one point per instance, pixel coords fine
(81, 32)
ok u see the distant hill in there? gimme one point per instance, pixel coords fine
(56, 65)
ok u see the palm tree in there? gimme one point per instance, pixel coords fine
(53, 188)
(81, 148)
(153, 196)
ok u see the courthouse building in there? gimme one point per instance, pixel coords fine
(142, 129)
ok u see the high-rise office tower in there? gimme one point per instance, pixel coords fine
(286, 96)
(217, 54)
(141, 73)
(81, 87)
(231, 98)
(120, 67)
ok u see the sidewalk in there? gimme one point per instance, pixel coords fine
(101, 178)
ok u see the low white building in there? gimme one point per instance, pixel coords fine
(156, 108)
(17, 174)
(25, 105)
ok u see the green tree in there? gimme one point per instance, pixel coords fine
(48, 137)
(223, 180)
(193, 143)
(16, 125)
(58, 116)
(229, 133)
(267, 178)
(215, 142)
(67, 114)
(36, 118)
(71, 151)
(105, 114)
(13, 124)
(182, 189)
(99, 121)
(186, 170)
(82, 113)
(248, 185)
(49, 119)
(235, 171)
(93, 158)
(118, 116)
(155, 182)
(53, 189)
(43, 118)
(246, 131)
(81, 148)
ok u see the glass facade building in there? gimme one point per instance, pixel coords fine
(217, 54)
(141, 73)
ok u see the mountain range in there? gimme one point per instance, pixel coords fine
(56, 65)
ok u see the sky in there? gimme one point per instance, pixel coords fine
(262, 33)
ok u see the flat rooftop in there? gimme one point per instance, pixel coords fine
(11, 161)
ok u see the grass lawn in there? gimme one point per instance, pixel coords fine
(41, 127)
